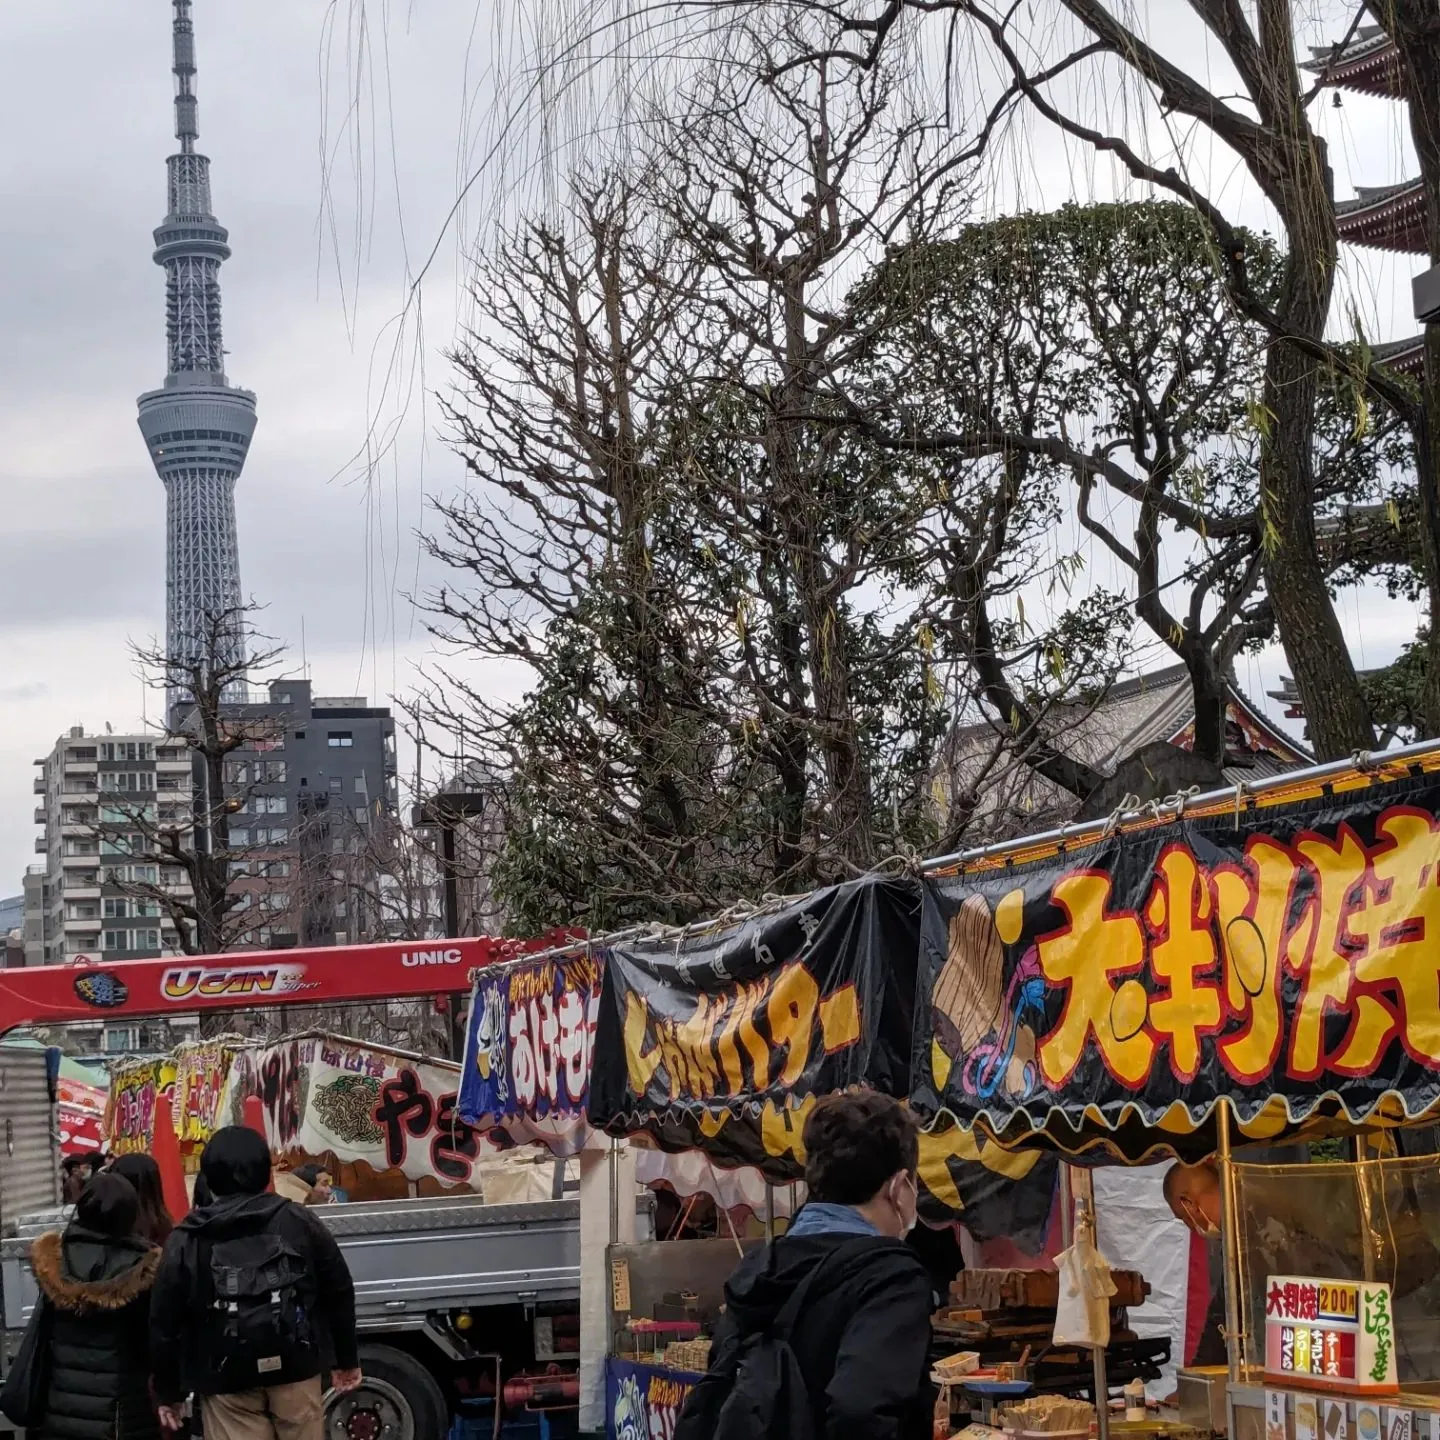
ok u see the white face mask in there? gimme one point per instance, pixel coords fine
(1201, 1223)
(906, 1226)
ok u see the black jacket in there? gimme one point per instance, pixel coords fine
(862, 1339)
(181, 1304)
(99, 1292)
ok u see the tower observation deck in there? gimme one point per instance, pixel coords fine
(197, 426)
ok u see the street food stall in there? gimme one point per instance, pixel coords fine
(1251, 968)
(710, 1045)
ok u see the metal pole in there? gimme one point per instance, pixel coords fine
(1067, 1207)
(450, 893)
(450, 880)
(1082, 1185)
(1230, 1242)
(614, 1191)
(1077, 1212)
(1093, 829)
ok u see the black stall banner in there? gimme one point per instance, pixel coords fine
(724, 1043)
(1291, 965)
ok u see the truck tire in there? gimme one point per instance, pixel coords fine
(399, 1399)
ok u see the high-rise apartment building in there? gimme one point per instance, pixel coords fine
(76, 904)
(310, 791)
(90, 787)
(314, 788)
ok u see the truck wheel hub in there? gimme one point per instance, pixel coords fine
(363, 1424)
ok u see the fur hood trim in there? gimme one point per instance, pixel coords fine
(47, 1260)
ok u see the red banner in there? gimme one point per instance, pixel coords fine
(57, 994)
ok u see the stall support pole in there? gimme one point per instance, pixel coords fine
(1229, 1241)
(607, 1180)
(1067, 1208)
(1077, 1193)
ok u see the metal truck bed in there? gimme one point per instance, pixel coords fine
(407, 1256)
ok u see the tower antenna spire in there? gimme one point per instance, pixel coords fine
(187, 120)
(198, 426)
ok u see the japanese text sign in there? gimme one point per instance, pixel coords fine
(136, 1087)
(724, 1042)
(200, 1074)
(1334, 1334)
(643, 1402)
(529, 1047)
(1151, 973)
(322, 1095)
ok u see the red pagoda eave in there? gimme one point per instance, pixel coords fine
(1370, 66)
(1389, 219)
(1406, 356)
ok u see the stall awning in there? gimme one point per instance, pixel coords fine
(721, 1039)
(1277, 954)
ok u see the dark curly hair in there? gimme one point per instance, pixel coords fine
(854, 1143)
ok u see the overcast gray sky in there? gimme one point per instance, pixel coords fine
(85, 110)
(85, 106)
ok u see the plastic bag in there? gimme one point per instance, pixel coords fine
(1082, 1313)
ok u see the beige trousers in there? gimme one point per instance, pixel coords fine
(283, 1412)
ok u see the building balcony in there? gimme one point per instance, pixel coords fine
(87, 858)
(41, 814)
(42, 845)
(40, 785)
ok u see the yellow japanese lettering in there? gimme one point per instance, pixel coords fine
(1181, 907)
(791, 1013)
(1084, 956)
(1339, 865)
(1399, 927)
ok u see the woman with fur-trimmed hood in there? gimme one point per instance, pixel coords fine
(97, 1277)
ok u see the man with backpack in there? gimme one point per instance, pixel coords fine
(252, 1303)
(826, 1331)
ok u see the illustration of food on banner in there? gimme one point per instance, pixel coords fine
(385, 1121)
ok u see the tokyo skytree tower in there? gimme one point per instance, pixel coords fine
(198, 426)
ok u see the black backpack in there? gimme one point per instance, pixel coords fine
(260, 1328)
(760, 1392)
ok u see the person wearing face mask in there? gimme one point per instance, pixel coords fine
(853, 1300)
(1193, 1195)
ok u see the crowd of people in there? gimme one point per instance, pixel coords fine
(244, 1304)
(224, 1322)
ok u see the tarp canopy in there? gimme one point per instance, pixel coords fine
(1279, 955)
(721, 1039)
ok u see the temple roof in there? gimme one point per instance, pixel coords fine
(1370, 63)
(1406, 356)
(1384, 217)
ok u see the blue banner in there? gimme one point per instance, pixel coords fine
(643, 1402)
(529, 1045)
